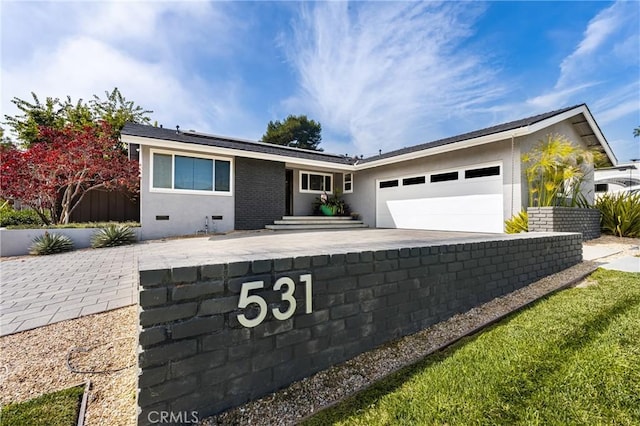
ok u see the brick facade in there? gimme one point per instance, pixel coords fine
(565, 219)
(259, 191)
(196, 356)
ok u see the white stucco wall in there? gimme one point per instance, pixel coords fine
(303, 201)
(186, 211)
(363, 199)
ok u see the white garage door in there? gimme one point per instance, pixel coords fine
(467, 199)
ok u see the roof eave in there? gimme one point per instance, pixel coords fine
(496, 137)
(231, 152)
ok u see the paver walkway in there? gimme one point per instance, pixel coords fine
(41, 290)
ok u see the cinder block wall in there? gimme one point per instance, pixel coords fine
(196, 355)
(259, 191)
(565, 219)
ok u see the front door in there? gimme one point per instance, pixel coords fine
(289, 192)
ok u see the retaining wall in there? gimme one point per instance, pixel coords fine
(216, 336)
(565, 219)
(16, 242)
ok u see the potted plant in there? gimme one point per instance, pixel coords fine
(331, 205)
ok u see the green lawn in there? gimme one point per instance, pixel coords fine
(572, 358)
(53, 409)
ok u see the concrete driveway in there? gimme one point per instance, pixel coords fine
(37, 291)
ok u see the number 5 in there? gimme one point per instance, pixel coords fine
(246, 299)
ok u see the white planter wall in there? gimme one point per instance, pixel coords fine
(16, 242)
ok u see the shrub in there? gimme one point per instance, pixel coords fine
(620, 214)
(112, 236)
(11, 217)
(517, 223)
(50, 244)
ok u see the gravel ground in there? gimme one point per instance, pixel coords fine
(34, 362)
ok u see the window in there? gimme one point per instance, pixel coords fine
(162, 170)
(316, 182)
(443, 177)
(347, 182)
(388, 183)
(193, 173)
(413, 181)
(185, 173)
(483, 172)
(602, 187)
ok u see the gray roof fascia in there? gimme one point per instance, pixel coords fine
(512, 125)
(163, 134)
(514, 128)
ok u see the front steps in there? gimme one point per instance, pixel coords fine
(297, 223)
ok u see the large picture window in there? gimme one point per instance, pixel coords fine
(186, 173)
(316, 182)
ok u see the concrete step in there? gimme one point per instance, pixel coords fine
(298, 227)
(316, 222)
(323, 218)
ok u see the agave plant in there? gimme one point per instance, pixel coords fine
(50, 244)
(518, 223)
(113, 235)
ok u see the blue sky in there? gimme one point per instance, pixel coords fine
(377, 75)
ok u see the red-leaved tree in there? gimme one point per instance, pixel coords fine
(55, 174)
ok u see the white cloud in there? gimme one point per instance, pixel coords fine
(557, 98)
(85, 48)
(621, 102)
(385, 74)
(612, 30)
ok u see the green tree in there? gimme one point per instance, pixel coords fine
(117, 111)
(5, 141)
(26, 126)
(57, 114)
(296, 131)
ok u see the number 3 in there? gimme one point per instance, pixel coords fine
(286, 296)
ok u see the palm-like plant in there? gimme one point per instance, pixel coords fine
(555, 171)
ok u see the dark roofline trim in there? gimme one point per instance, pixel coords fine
(146, 131)
(487, 131)
(261, 148)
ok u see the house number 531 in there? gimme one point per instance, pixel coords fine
(287, 296)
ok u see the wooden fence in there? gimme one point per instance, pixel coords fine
(103, 206)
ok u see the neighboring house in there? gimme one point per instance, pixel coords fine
(471, 182)
(620, 178)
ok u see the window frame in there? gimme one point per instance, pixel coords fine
(482, 168)
(388, 183)
(441, 174)
(173, 190)
(344, 183)
(314, 191)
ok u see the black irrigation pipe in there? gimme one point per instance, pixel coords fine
(81, 349)
(454, 340)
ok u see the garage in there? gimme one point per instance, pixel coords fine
(466, 199)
